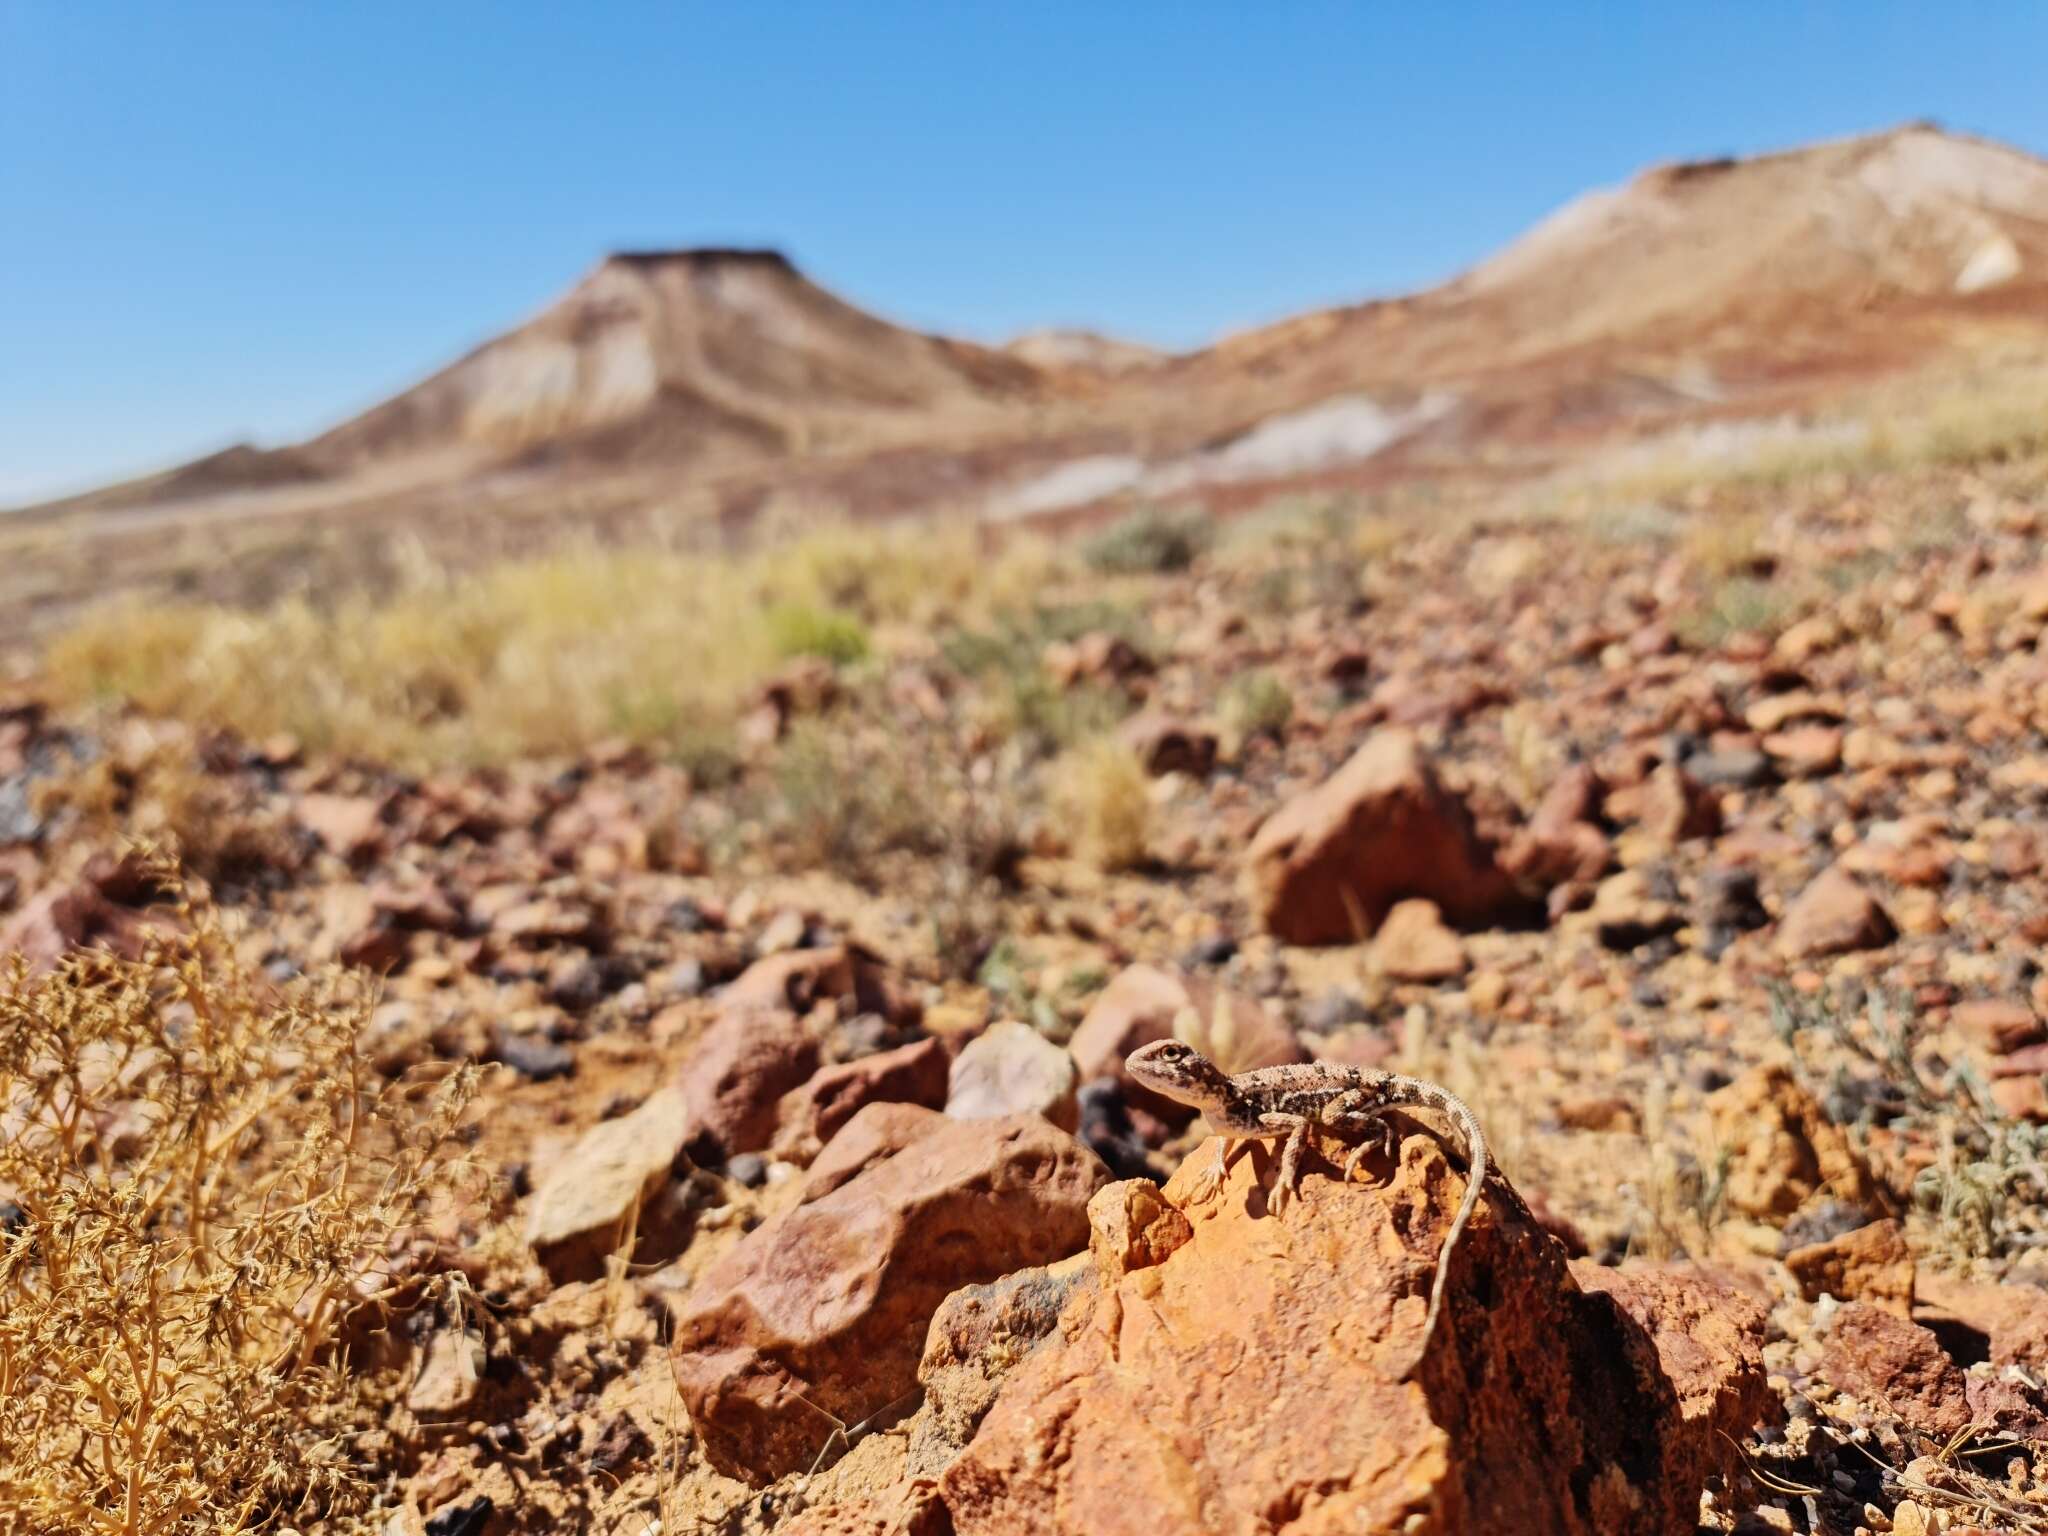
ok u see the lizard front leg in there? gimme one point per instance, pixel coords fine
(1297, 1127)
(1204, 1182)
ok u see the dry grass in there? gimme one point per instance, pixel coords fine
(538, 656)
(1103, 801)
(204, 1181)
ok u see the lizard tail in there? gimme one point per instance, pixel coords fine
(1475, 1180)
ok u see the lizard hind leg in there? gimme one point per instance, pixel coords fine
(1374, 1132)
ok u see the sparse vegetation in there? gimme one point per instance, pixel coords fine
(1255, 704)
(534, 656)
(1104, 802)
(203, 1182)
(1151, 541)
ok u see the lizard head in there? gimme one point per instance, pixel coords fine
(1180, 1072)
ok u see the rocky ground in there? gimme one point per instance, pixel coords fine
(1699, 848)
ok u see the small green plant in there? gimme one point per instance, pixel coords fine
(800, 629)
(1150, 542)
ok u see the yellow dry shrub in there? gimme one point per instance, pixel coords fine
(202, 1180)
(534, 656)
(1102, 799)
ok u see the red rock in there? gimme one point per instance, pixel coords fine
(876, 1133)
(1329, 864)
(1832, 916)
(812, 1114)
(1542, 1406)
(1897, 1366)
(734, 1080)
(1996, 1026)
(799, 979)
(1414, 944)
(1142, 1004)
(825, 1307)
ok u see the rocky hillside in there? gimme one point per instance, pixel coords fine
(720, 379)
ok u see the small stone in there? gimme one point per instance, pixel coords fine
(450, 1372)
(1131, 1226)
(1011, 1069)
(1871, 1263)
(1833, 916)
(1415, 944)
(534, 1057)
(748, 1169)
(1996, 1026)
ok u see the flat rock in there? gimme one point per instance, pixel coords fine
(589, 1196)
(1251, 1380)
(1833, 916)
(1011, 1069)
(824, 1308)
(1329, 864)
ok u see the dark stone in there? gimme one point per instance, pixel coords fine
(749, 1169)
(622, 1443)
(463, 1519)
(1216, 949)
(1108, 1132)
(1742, 768)
(1334, 1010)
(533, 1058)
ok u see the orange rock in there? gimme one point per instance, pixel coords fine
(823, 1309)
(1329, 864)
(1257, 1370)
(1131, 1226)
(1782, 1147)
(1870, 1263)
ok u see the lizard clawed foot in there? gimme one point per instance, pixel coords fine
(1204, 1183)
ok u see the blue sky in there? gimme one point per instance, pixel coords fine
(246, 221)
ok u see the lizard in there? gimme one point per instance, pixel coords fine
(1289, 1101)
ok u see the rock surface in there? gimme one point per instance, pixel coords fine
(1328, 865)
(823, 1309)
(734, 1080)
(1011, 1069)
(1252, 1378)
(589, 1197)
